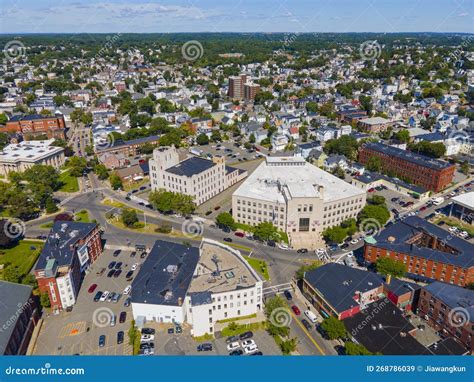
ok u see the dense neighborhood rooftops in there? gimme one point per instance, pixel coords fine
(60, 243)
(12, 298)
(166, 274)
(272, 176)
(381, 328)
(409, 156)
(338, 284)
(453, 296)
(191, 166)
(395, 238)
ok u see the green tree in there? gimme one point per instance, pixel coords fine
(115, 182)
(12, 274)
(465, 168)
(77, 166)
(202, 139)
(377, 212)
(335, 234)
(44, 300)
(252, 138)
(334, 328)
(352, 348)
(288, 346)
(389, 266)
(101, 171)
(225, 219)
(129, 217)
(3, 140)
(377, 200)
(402, 136)
(266, 231)
(374, 164)
(306, 268)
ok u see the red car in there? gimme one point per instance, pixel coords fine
(423, 208)
(371, 190)
(92, 288)
(239, 234)
(296, 310)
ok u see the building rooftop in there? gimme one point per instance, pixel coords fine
(448, 346)
(369, 177)
(191, 166)
(220, 269)
(381, 328)
(466, 200)
(409, 156)
(12, 298)
(275, 174)
(31, 117)
(453, 296)
(374, 121)
(396, 238)
(29, 151)
(61, 241)
(339, 284)
(166, 274)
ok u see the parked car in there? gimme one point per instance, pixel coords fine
(117, 252)
(133, 254)
(288, 295)
(104, 296)
(232, 346)
(248, 343)
(250, 349)
(236, 352)
(129, 275)
(170, 330)
(232, 339)
(228, 239)
(127, 289)
(246, 335)
(111, 273)
(120, 337)
(240, 234)
(127, 301)
(147, 338)
(123, 317)
(112, 264)
(204, 347)
(117, 273)
(148, 331)
(102, 341)
(97, 296)
(302, 250)
(118, 265)
(296, 310)
(134, 266)
(92, 288)
(306, 324)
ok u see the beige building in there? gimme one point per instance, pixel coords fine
(195, 176)
(21, 156)
(298, 198)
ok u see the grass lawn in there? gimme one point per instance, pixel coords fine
(47, 225)
(82, 216)
(237, 246)
(69, 183)
(22, 255)
(150, 228)
(129, 186)
(260, 266)
(239, 329)
(116, 204)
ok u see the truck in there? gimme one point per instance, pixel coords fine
(437, 201)
(196, 151)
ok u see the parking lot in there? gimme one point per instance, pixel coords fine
(78, 331)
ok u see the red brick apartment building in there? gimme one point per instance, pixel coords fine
(432, 174)
(450, 310)
(429, 252)
(35, 124)
(70, 249)
(236, 86)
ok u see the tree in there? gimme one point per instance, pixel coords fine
(465, 168)
(352, 348)
(77, 166)
(115, 181)
(288, 346)
(129, 217)
(252, 138)
(434, 150)
(50, 206)
(167, 201)
(44, 300)
(202, 139)
(4, 140)
(225, 219)
(216, 136)
(377, 200)
(334, 234)
(334, 328)
(306, 268)
(389, 266)
(377, 212)
(266, 231)
(101, 171)
(12, 274)
(402, 136)
(374, 164)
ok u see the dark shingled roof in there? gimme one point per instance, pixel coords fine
(61, 241)
(453, 296)
(381, 328)
(410, 226)
(448, 346)
(166, 274)
(409, 156)
(339, 283)
(12, 298)
(191, 166)
(201, 298)
(30, 117)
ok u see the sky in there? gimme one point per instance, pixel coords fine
(167, 16)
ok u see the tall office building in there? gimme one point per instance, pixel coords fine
(236, 86)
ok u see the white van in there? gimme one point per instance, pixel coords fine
(312, 317)
(113, 320)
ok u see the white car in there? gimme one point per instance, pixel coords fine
(452, 194)
(134, 266)
(452, 229)
(127, 289)
(232, 346)
(251, 349)
(104, 296)
(248, 343)
(147, 338)
(354, 241)
(283, 246)
(463, 234)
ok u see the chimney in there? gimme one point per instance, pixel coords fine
(389, 278)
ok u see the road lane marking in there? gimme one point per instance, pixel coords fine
(307, 333)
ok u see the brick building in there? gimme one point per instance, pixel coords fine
(429, 252)
(449, 309)
(374, 124)
(35, 124)
(71, 247)
(250, 91)
(236, 86)
(432, 174)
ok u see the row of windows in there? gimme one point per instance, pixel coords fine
(342, 204)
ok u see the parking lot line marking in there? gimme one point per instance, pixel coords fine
(307, 333)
